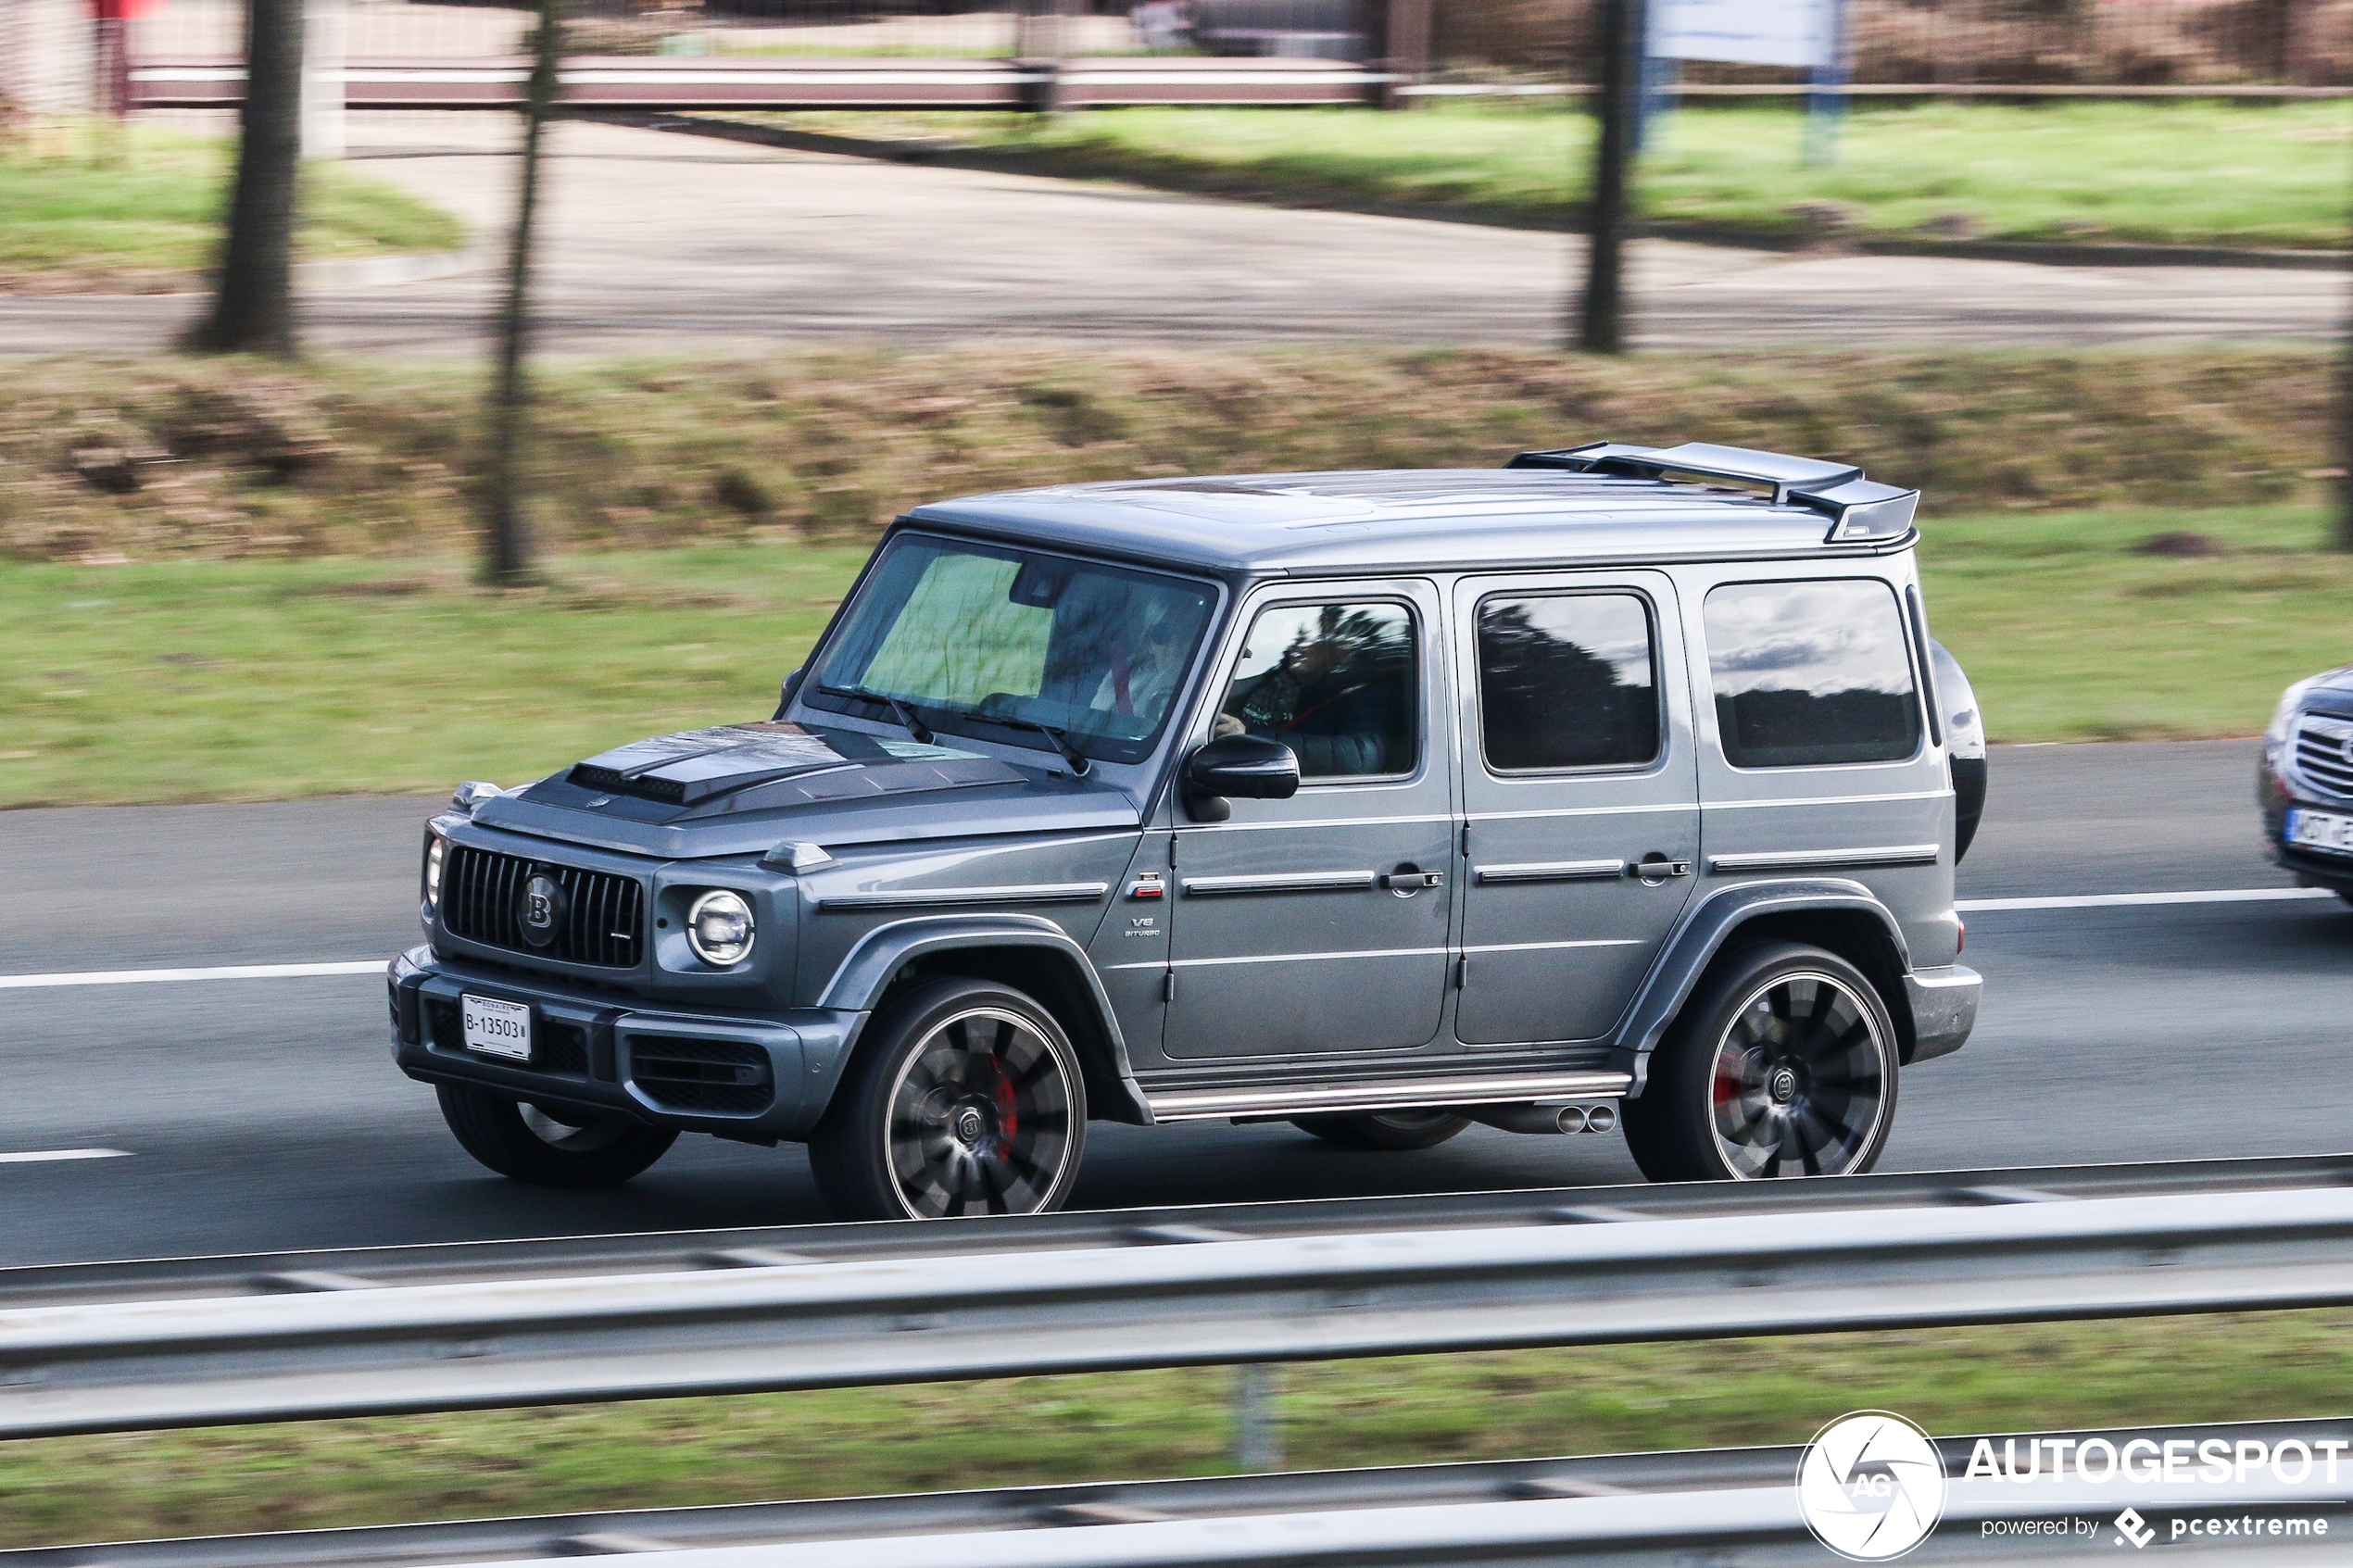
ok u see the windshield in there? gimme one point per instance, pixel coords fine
(965, 634)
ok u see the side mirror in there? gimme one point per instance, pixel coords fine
(1239, 767)
(791, 685)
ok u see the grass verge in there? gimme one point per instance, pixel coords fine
(159, 459)
(2180, 172)
(1120, 1425)
(137, 210)
(262, 680)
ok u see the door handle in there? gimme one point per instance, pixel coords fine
(1658, 868)
(1413, 882)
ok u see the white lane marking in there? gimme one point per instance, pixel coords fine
(145, 976)
(47, 1154)
(2111, 900)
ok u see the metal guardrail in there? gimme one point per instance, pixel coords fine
(857, 83)
(785, 1321)
(1623, 1508)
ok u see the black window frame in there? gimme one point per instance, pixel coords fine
(1913, 657)
(1248, 622)
(1652, 622)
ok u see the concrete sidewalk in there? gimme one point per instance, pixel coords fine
(663, 243)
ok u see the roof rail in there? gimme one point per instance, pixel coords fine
(1860, 510)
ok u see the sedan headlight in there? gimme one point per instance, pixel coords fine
(436, 851)
(719, 928)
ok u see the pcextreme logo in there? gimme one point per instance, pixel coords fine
(1871, 1486)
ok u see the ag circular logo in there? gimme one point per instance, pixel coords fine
(1871, 1486)
(540, 909)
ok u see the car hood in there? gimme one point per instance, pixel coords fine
(2331, 690)
(740, 789)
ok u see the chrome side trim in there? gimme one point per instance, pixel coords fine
(926, 898)
(1825, 859)
(1551, 946)
(1554, 871)
(1296, 1099)
(1295, 881)
(1299, 957)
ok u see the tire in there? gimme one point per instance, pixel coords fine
(548, 1148)
(1783, 1064)
(1385, 1129)
(965, 1098)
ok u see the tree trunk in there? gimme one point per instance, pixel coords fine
(1602, 327)
(253, 302)
(2345, 439)
(506, 542)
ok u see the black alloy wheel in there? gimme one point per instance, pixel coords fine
(558, 1147)
(1394, 1130)
(1784, 1063)
(966, 1098)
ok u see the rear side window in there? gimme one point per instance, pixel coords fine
(1567, 681)
(1807, 673)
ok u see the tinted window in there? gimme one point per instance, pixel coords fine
(1334, 683)
(1811, 673)
(1567, 681)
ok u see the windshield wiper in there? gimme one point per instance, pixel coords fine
(899, 708)
(1071, 754)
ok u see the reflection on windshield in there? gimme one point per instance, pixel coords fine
(978, 631)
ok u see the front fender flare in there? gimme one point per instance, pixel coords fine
(1703, 933)
(867, 970)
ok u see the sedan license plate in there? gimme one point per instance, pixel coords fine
(497, 1028)
(2321, 830)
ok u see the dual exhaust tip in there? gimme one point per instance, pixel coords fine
(1589, 1117)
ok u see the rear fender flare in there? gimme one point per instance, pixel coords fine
(1713, 925)
(935, 944)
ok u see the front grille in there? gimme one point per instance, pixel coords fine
(2319, 755)
(678, 1074)
(604, 919)
(556, 1046)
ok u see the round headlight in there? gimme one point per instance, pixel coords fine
(719, 928)
(437, 850)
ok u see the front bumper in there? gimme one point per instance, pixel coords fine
(757, 1078)
(1944, 1009)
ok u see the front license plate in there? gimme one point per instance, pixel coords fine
(2321, 830)
(497, 1028)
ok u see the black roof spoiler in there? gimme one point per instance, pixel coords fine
(1860, 510)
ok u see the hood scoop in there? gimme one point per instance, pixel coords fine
(789, 765)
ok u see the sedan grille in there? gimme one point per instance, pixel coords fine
(603, 917)
(2319, 754)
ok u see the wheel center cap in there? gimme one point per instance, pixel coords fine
(1783, 1085)
(968, 1124)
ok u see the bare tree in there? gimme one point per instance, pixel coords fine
(253, 309)
(1602, 326)
(506, 542)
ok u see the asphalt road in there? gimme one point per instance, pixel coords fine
(665, 244)
(267, 1113)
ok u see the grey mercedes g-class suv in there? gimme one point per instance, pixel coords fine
(1619, 786)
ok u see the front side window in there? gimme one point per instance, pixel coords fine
(1567, 681)
(1807, 673)
(967, 634)
(1337, 684)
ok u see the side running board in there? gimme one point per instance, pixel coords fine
(1393, 1094)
